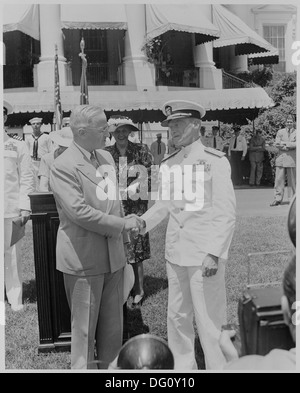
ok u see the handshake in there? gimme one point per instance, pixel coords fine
(134, 224)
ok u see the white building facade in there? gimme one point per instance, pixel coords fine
(141, 55)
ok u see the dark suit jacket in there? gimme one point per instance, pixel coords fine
(91, 236)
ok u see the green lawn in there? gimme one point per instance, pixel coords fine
(253, 234)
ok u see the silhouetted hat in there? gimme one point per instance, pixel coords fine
(7, 108)
(145, 352)
(236, 127)
(178, 109)
(65, 120)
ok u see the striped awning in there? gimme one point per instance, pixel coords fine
(265, 58)
(22, 17)
(161, 18)
(219, 104)
(93, 16)
(236, 32)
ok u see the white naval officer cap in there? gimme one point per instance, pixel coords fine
(177, 109)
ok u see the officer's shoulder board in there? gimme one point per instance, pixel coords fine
(214, 152)
(171, 155)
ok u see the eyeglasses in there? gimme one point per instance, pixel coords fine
(101, 129)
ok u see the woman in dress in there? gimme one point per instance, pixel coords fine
(133, 164)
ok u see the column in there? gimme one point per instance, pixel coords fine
(138, 72)
(51, 36)
(210, 76)
(237, 63)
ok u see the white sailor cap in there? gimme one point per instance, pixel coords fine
(36, 120)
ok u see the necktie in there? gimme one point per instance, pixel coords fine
(159, 148)
(35, 148)
(215, 142)
(234, 146)
(94, 160)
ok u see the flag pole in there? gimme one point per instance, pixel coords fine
(84, 94)
(57, 116)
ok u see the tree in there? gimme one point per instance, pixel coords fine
(282, 85)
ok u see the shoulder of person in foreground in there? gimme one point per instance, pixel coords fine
(214, 153)
(107, 153)
(276, 360)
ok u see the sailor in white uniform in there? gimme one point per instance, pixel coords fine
(18, 183)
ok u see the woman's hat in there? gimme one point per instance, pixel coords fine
(63, 137)
(117, 121)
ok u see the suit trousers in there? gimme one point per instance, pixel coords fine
(96, 305)
(236, 167)
(280, 181)
(256, 172)
(191, 295)
(13, 266)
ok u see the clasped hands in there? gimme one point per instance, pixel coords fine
(134, 224)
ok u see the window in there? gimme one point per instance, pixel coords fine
(96, 45)
(276, 36)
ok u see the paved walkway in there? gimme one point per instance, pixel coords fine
(256, 202)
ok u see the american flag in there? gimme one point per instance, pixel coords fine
(57, 101)
(84, 94)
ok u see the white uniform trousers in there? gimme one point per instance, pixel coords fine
(191, 294)
(13, 266)
(36, 167)
(280, 182)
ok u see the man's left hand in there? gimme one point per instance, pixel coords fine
(210, 266)
(25, 214)
(227, 347)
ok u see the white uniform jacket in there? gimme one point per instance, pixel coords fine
(44, 145)
(18, 177)
(286, 158)
(241, 145)
(191, 235)
(219, 142)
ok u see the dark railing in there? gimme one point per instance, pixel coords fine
(17, 76)
(97, 75)
(232, 82)
(177, 76)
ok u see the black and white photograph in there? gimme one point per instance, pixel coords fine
(149, 189)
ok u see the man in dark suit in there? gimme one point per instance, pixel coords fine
(90, 240)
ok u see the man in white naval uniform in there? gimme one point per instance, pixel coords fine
(285, 161)
(215, 141)
(38, 144)
(198, 238)
(18, 183)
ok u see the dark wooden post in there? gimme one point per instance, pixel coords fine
(53, 310)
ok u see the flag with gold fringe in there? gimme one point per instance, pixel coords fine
(84, 94)
(57, 101)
